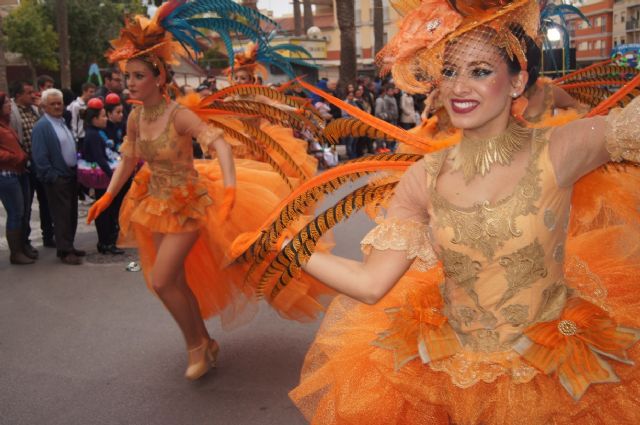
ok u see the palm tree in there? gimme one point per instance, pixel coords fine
(308, 15)
(378, 26)
(347, 23)
(62, 18)
(297, 18)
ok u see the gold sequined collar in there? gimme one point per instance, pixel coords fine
(152, 113)
(477, 156)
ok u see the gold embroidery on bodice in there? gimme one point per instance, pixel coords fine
(522, 269)
(487, 226)
(170, 159)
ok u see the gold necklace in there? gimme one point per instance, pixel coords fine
(477, 156)
(152, 113)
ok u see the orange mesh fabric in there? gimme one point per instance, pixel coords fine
(219, 290)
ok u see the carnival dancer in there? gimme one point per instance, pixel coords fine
(488, 305)
(297, 163)
(177, 212)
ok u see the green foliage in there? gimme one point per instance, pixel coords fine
(30, 33)
(213, 59)
(92, 23)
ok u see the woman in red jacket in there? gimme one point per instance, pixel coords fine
(12, 184)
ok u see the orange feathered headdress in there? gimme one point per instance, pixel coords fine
(415, 55)
(247, 61)
(144, 37)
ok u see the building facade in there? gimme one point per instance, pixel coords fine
(593, 41)
(326, 20)
(626, 22)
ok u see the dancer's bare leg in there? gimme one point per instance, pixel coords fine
(166, 276)
(195, 308)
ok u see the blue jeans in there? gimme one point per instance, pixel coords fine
(12, 197)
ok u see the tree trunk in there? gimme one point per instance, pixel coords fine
(63, 33)
(308, 15)
(378, 26)
(4, 86)
(297, 18)
(347, 24)
(33, 72)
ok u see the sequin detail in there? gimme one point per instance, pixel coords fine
(487, 226)
(567, 327)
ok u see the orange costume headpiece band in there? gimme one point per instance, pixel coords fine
(415, 56)
(247, 61)
(147, 39)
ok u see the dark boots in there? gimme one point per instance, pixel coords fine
(16, 248)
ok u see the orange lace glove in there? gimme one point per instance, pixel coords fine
(99, 206)
(226, 205)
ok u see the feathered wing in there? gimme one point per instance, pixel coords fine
(288, 262)
(602, 85)
(269, 142)
(254, 248)
(343, 127)
(271, 113)
(259, 150)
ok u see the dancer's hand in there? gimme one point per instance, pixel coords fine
(99, 206)
(228, 200)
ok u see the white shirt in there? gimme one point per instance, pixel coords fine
(66, 140)
(77, 123)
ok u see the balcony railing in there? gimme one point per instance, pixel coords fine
(632, 25)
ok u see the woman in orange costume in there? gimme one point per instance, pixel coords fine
(490, 308)
(177, 211)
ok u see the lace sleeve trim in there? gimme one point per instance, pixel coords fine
(208, 136)
(623, 133)
(402, 235)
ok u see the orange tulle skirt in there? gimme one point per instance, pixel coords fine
(219, 287)
(348, 378)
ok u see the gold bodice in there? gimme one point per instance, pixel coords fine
(169, 156)
(502, 260)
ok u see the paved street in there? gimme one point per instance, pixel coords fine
(90, 345)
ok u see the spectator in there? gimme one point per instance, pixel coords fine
(407, 111)
(387, 110)
(99, 149)
(324, 109)
(204, 90)
(114, 83)
(332, 88)
(68, 96)
(116, 130)
(13, 191)
(350, 141)
(363, 143)
(77, 109)
(43, 82)
(23, 117)
(54, 155)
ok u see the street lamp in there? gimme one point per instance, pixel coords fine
(553, 34)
